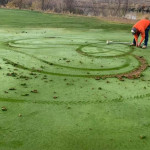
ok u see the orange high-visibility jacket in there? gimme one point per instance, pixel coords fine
(141, 26)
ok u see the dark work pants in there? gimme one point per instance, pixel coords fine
(146, 36)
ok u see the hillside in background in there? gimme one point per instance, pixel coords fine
(85, 7)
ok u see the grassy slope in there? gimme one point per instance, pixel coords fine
(88, 114)
(23, 18)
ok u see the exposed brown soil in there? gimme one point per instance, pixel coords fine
(130, 75)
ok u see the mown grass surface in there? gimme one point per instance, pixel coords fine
(47, 68)
(21, 18)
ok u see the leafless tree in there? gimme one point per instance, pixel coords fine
(70, 5)
(126, 7)
(3, 2)
(95, 7)
(118, 8)
(20, 4)
(42, 4)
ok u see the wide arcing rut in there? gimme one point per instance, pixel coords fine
(130, 74)
(91, 51)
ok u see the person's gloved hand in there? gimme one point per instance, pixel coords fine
(138, 45)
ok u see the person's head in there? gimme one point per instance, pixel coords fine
(133, 31)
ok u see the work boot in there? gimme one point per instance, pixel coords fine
(132, 44)
(144, 46)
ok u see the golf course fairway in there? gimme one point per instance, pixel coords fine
(63, 88)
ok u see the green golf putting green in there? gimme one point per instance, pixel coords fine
(63, 88)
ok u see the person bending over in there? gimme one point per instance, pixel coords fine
(141, 27)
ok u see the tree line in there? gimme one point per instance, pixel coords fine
(85, 7)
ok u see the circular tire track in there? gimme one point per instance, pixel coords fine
(131, 74)
(14, 46)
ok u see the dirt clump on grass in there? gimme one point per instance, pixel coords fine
(134, 74)
(137, 72)
(4, 108)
